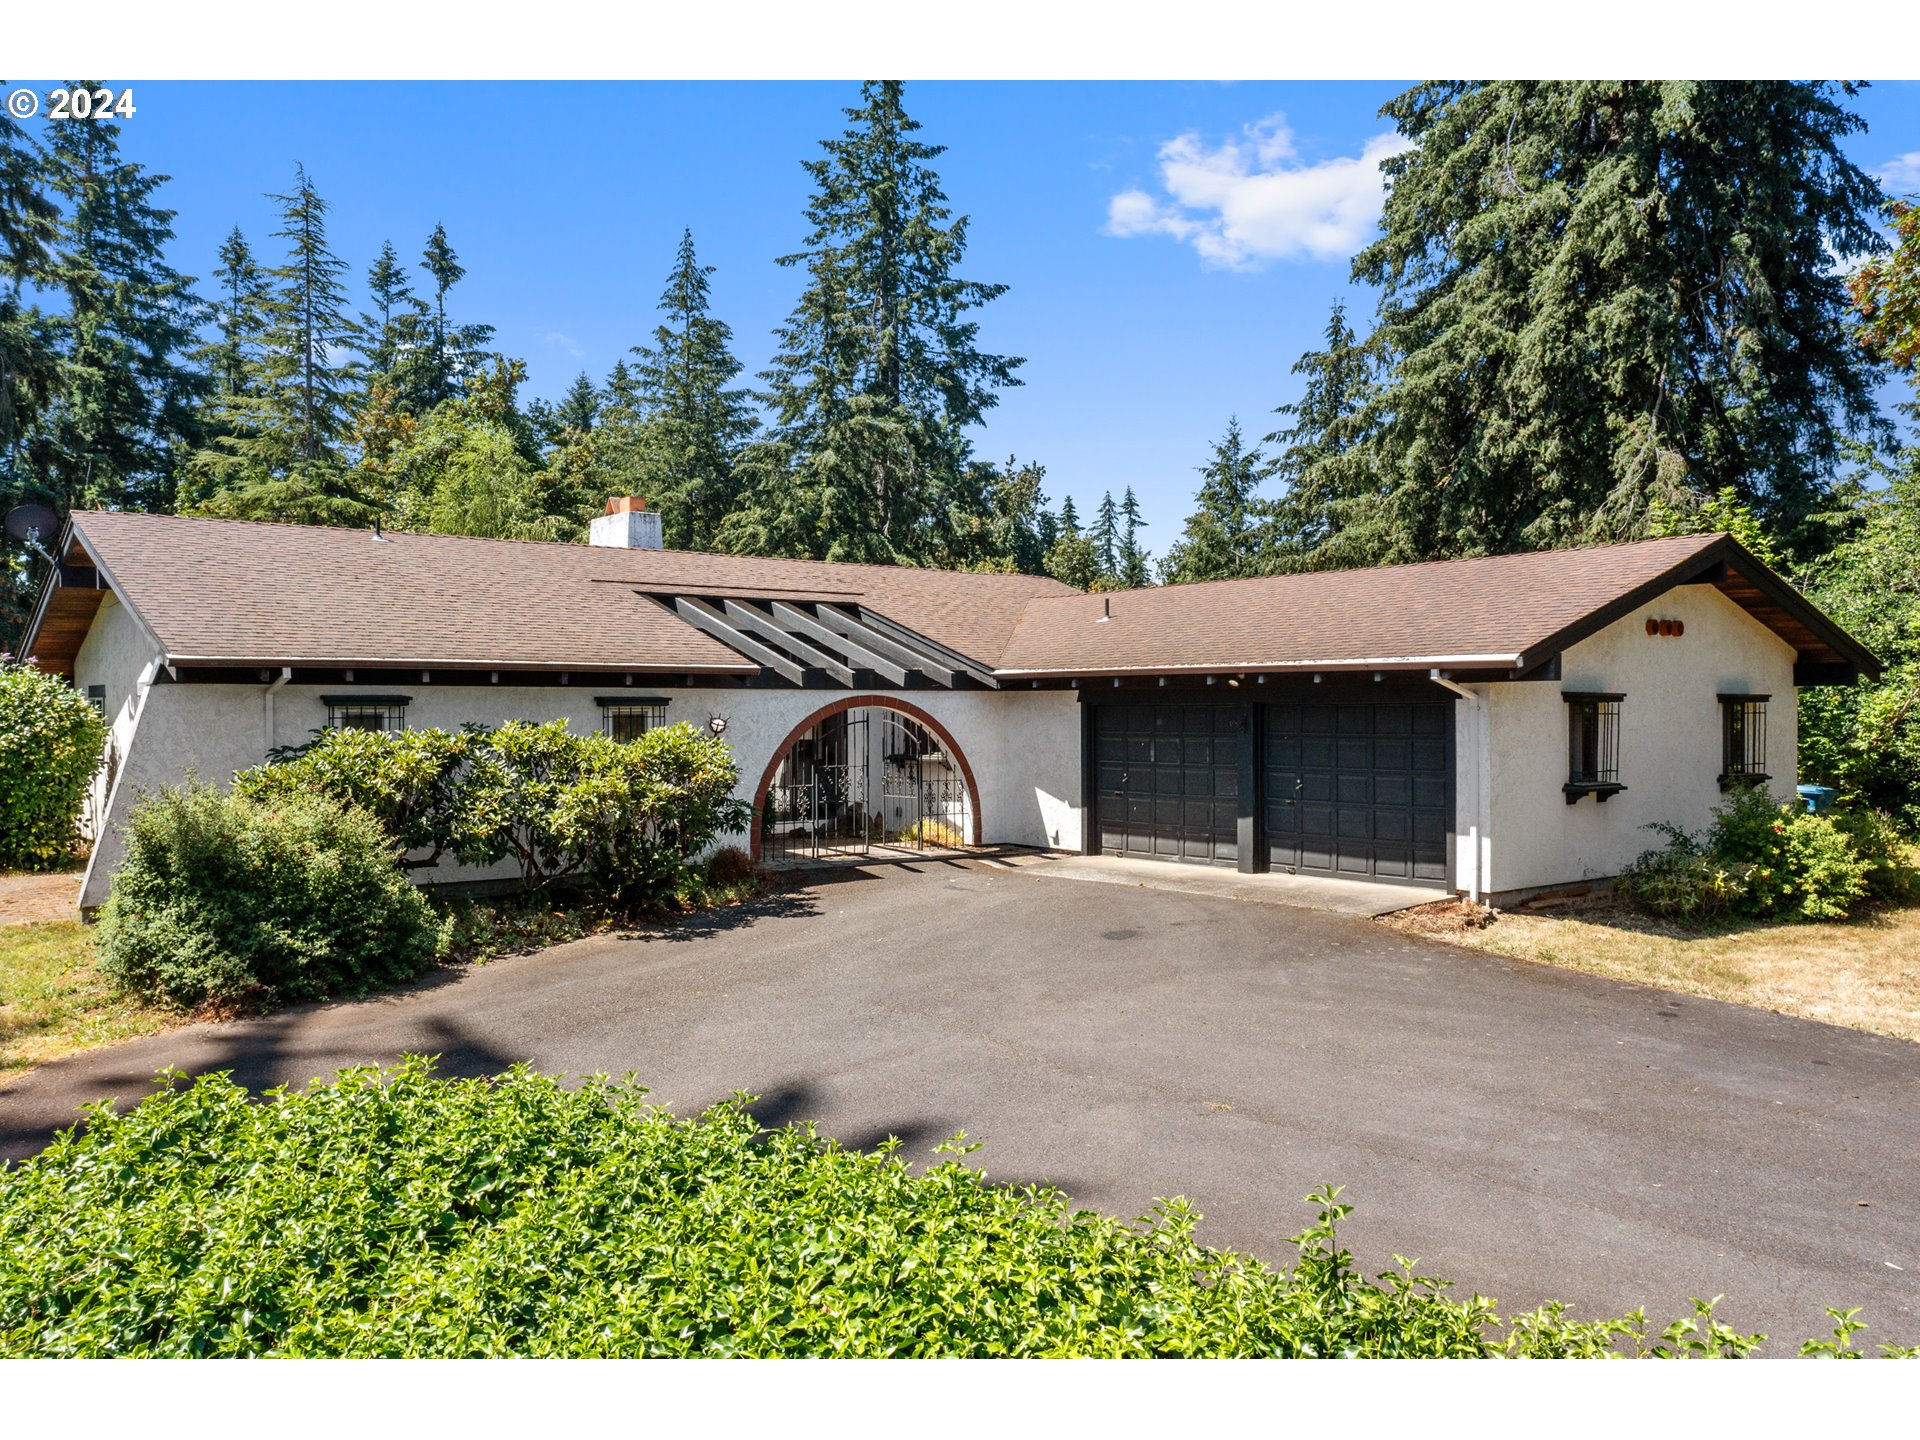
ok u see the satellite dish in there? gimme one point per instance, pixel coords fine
(32, 523)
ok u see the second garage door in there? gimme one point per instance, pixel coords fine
(1358, 788)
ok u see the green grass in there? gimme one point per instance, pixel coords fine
(53, 1001)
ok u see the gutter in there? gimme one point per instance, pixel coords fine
(1479, 781)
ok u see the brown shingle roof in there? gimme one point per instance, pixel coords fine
(1488, 612)
(226, 590)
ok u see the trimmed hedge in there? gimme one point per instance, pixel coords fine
(51, 743)
(226, 898)
(402, 1215)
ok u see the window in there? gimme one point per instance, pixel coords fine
(97, 697)
(1593, 746)
(386, 713)
(1743, 740)
(628, 717)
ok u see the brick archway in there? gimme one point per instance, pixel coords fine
(865, 702)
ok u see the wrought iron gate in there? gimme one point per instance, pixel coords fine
(817, 804)
(923, 799)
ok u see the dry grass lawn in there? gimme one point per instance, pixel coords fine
(1864, 974)
(53, 1001)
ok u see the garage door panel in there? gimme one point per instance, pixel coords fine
(1372, 777)
(1175, 781)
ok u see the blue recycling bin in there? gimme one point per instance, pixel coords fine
(1819, 798)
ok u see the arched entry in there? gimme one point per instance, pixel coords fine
(864, 771)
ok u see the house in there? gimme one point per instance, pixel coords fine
(1494, 726)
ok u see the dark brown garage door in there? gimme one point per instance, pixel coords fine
(1167, 780)
(1358, 788)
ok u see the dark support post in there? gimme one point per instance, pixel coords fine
(1250, 833)
(1089, 792)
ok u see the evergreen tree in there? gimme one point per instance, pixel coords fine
(694, 424)
(279, 451)
(239, 318)
(1070, 559)
(28, 359)
(124, 400)
(620, 392)
(392, 333)
(1596, 292)
(1134, 570)
(1013, 531)
(1328, 512)
(1222, 540)
(580, 408)
(451, 353)
(1105, 538)
(879, 372)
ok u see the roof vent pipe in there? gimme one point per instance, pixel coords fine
(1106, 610)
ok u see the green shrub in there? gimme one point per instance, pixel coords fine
(407, 1216)
(728, 866)
(51, 743)
(1760, 858)
(225, 898)
(624, 818)
(1892, 876)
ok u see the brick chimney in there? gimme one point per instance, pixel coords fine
(627, 525)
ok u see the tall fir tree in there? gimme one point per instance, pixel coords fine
(279, 451)
(694, 423)
(451, 353)
(1136, 562)
(1597, 292)
(239, 316)
(392, 331)
(1105, 538)
(879, 372)
(1222, 536)
(124, 408)
(29, 362)
(1328, 511)
(1070, 559)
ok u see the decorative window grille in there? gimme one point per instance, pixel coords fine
(1593, 746)
(97, 697)
(1743, 740)
(386, 713)
(628, 717)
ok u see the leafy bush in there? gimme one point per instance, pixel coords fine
(729, 865)
(1764, 859)
(403, 1215)
(224, 897)
(623, 817)
(51, 742)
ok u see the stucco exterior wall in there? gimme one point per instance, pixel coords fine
(1670, 740)
(116, 654)
(1024, 748)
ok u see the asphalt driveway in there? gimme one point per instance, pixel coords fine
(1525, 1132)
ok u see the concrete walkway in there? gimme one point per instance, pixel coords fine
(1310, 892)
(36, 899)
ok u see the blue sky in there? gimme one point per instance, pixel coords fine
(1145, 323)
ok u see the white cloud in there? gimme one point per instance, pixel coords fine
(1901, 175)
(1252, 199)
(565, 342)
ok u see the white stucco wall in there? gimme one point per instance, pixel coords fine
(1024, 747)
(1670, 740)
(116, 654)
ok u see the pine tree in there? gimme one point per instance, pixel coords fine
(1135, 567)
(124, 400)
(879, 372)
(279, 451)
(1222, 538)
(694, 425)
(1069, 519)
(581, 407)
(1597, 292)
(29, 362)
(1330, 508)
(1070, 559)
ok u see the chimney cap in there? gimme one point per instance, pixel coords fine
(625, 504)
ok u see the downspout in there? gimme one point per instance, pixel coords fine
(1478, 780)
(266, 699)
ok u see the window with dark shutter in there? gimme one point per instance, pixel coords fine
(1593, 746)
